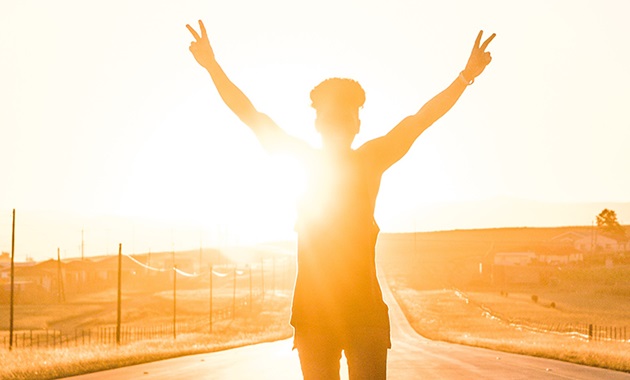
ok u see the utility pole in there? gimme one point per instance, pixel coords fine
(234, 294)
(273, 274)
(174, 295)
(593, 237)
(12, 281)
(174, 302)
(262, 276)
(415, 255)
(119, 298)
(211, 297)
(61, 296)
(200, 250)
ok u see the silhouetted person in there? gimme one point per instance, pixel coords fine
(337, 303)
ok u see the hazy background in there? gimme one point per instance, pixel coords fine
(108, 125)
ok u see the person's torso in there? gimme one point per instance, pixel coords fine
(336, 239)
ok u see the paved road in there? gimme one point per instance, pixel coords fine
(411, 357)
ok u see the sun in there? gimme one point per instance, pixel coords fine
(200, 166)
(219, 181)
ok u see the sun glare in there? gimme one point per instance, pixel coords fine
(219, 180)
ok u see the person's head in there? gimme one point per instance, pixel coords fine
(337, 102)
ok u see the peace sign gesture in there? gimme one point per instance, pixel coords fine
(479, 58)
(200, 47)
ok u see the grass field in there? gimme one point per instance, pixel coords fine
(441, 315)
(424, 270)
(267, 322)
(248, 307)
(430, 274)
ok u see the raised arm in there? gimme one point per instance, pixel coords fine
(272, 137)
(393, 146)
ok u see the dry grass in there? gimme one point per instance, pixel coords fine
(419, 267)
(266, 323)
(568, 308)
(148, 302)
(442, 315)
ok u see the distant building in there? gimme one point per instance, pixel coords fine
(561, 258)
(568, 239)
(51, 280)
(593, 242)
(514, 258)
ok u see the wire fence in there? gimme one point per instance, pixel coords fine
(203, 279)
(108, 334)
(584, 331)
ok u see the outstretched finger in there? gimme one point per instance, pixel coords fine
(193, 32)
(486, 42)
(203, 30)
(478, 40)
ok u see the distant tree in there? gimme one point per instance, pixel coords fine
(608, 224)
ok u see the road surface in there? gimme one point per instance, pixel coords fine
(411, 357)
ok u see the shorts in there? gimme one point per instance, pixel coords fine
(365, 351)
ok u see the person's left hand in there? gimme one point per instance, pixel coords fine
(479, 58)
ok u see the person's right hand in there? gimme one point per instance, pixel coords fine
(200, 48)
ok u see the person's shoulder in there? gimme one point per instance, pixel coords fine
(369, 157)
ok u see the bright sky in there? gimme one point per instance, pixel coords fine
(108, 124)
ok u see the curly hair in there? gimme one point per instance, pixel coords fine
(338, 92)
